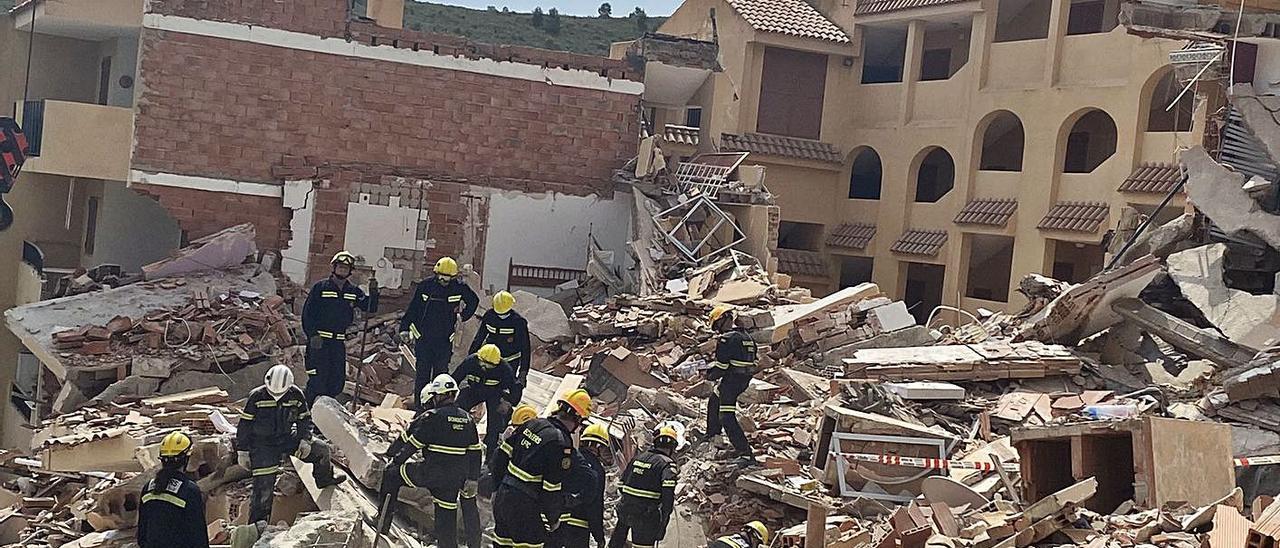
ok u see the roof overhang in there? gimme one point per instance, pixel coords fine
(92, 20)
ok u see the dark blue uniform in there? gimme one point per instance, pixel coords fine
(269, 430)
(734, 367)
(327, 314)
(532, 464)
(583, 518)
(510, 333)
(490, 385)
(648, 497)
(172, 513)
(432, 317)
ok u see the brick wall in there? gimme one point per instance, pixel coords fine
(224, 109)
(227, 109)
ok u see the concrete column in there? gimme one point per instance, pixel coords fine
(911, 67)
(1058, 17)
(980, 40)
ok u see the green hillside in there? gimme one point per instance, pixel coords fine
(591, 35)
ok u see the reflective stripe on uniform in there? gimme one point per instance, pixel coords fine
(568, 519)
(447, 449)
(491, 328)
(668, 483)
(445, 504)
(740, 363)
(513, 357)
(550, 487)
(411, 440)
(522, 475)
(507, 331)
(731, 541)
(721, 365)
(728, 409)
(475, 447)
(455, 298)
(329, 294)
(505, 448)
(267, 471)
(265, 403)
(642, 493)
(311, 371)
(413, 330)
(331, 335)
(349, 296)
(492, 382)
(166, 497)
(404, 475)
(246, 416)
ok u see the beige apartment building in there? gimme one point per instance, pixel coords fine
(940, 148)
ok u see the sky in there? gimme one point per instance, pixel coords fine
(573, 7)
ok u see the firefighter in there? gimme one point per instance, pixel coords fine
(275, 423)
(449, 468)
(437, 304)
(325, 318)
(521, 414)
(753, 535)
(532, 465)
(172, 511)
(583, 518)
(488, 380)
(507, 329)
(735, 362)
(648, 494)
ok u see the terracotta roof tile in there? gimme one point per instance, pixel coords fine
(791, 17)
(867, 7)
(989, 211)
(920, 242)
(683, 135)
(1075, 216)
(775, 145)
(852, 235)
(1154, 178)
(801, 262)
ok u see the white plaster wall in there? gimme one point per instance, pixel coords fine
(372, 228)
(133, 230)
(551, 230)
(1266, 78)
(298, 197)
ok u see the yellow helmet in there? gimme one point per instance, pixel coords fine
(344, 257)
(489, 354)
(760, 530)
(597, 433)
(175, 444)
(718, 311)
(523, 413)
(668, 433)
(503, 301)
(580, 401)
(447, 266)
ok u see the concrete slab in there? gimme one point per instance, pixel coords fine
(1249, 320)
(1216, 191)
(891, 317)
(224, 249)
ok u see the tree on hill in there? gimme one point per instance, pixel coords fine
(553, 21)
(537, 17)
(605, 10)
(641, 19)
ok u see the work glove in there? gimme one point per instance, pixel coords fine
(242, 458)
(552, 524)
(470, 488)
(404, 337)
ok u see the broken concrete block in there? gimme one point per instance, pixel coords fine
(223, 249)
(547, 320)
(891, 317)
(1249, 320)
(1218, 193)
(340, 428)
(925, 390)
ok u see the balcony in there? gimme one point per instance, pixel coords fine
(1017, 65)
(77, 139)
(92, 20)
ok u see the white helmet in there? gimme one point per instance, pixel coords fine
(442, 384)
(279, 379)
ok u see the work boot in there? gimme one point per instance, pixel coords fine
(334, 479)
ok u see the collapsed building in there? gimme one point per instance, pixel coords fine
(1116, 408)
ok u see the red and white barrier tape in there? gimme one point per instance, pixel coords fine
(946, 464)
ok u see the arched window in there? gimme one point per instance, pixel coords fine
(1173, 119)
(864, 180)
(1091, 141)
(1002, 143)
(936, 175)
